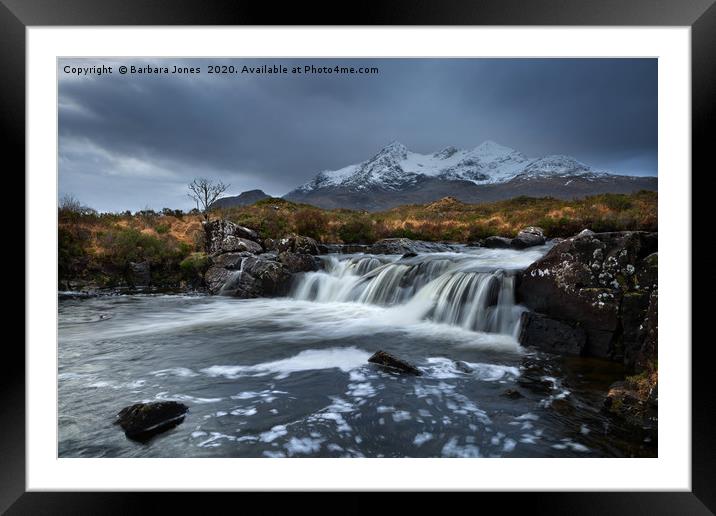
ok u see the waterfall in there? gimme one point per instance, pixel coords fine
(233, 279)
(457, 291)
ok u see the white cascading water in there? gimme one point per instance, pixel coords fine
(233, 279)
(450, 291)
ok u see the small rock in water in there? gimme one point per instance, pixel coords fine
(513, 394)
(463, 367)
(387, 360)
(143, 421)
(410, 254)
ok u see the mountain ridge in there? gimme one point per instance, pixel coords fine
(489, 172)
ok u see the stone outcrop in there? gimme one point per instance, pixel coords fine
(528, 237)
(293, 244)
(601, 281)
(143, 421)
(295, 262)
(248, 276)
(223, 236)
(242, 267)
(552, 335)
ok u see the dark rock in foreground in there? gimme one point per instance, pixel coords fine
(634, 401)
(143, 421)
(551, 335)
(513, 394)
(249, 276)
(387, 360)
(406, 245)
(602, 281)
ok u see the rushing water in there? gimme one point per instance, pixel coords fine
(289, 376)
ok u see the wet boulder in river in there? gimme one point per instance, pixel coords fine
(143, 421)
(387, 360)
(528, 237)
(585, 279)
(252, 276)
(295, 262)
(551, 335)
(497, 242)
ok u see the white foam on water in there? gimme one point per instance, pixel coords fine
(185, 397)
(495, 439)
(400, 415)
(453, 449)
(360, 390)
(251, 411)
(422, 438)
(528, 416)
(267, 395)
(444, 368)
(274, 454)
(529, 438)
(100, 385)
(212, 442)
(303, 446)
(273, 434)
(344, 359)
(568, 443)
(175, 371)
(509, 445)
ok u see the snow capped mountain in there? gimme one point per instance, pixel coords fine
(489, 172)
(395, 167)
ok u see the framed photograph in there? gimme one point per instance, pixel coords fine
(420, 252)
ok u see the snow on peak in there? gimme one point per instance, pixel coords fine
(447, 152)
(394, 150)
(395, 167)
(558, 165)
(490, 148)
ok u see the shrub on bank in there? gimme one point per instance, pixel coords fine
(357, 231)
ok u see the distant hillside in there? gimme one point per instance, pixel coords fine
(490, 172)
(243, 199)
(449, 219)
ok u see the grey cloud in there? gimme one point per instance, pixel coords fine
(128, 141)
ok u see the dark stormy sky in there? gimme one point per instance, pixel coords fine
(134, 141)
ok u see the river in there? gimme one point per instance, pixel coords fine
(289, 377)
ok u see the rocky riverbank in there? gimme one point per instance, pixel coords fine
(596, 294)
(593, 295)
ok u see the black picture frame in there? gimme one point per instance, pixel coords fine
(700, 15)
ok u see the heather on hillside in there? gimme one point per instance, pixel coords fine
(102, 245)
(451, 220)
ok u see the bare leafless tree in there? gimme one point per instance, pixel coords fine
(205, 192)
